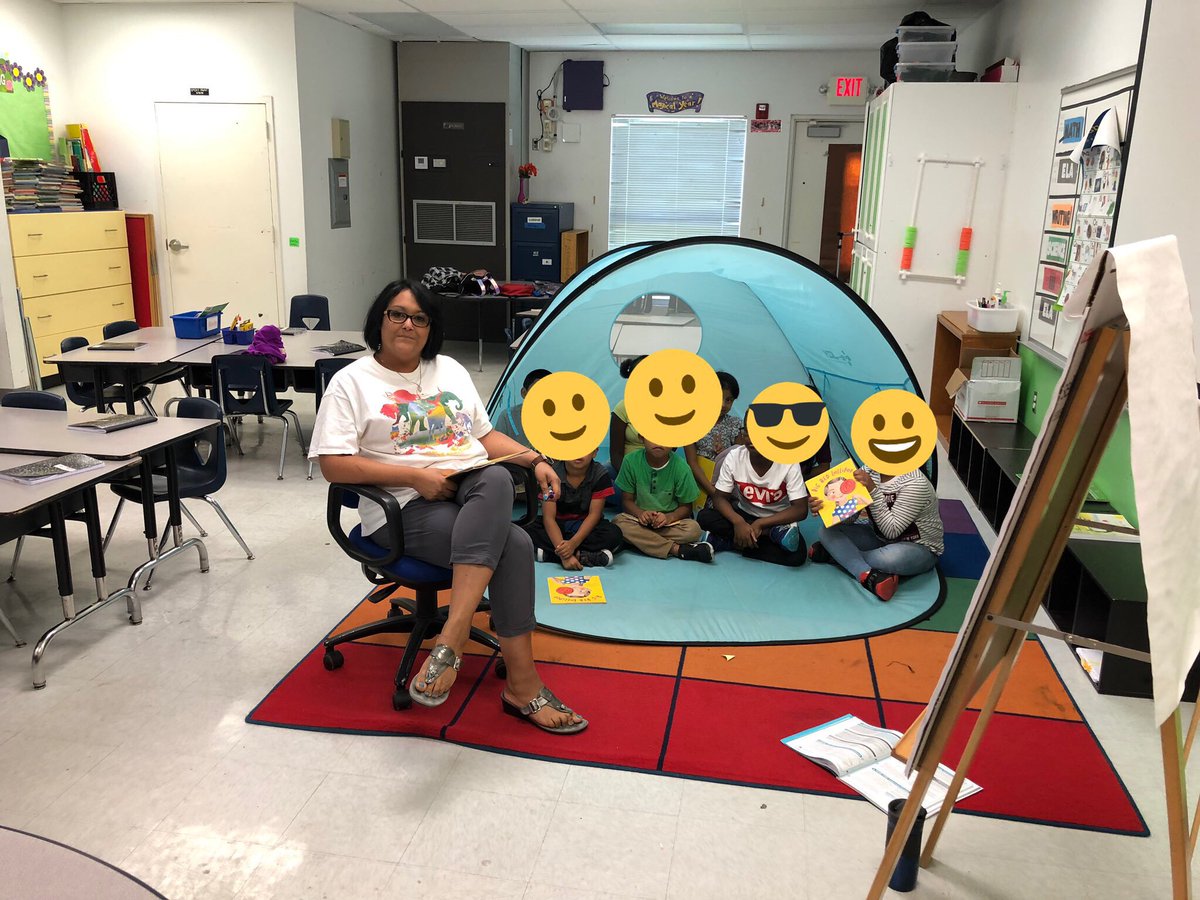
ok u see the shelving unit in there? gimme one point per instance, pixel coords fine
(955, 345)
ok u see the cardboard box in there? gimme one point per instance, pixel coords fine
(990, 391)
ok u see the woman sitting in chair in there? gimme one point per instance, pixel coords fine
(407, 419)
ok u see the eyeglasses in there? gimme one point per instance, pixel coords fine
(768, 415)
(399, 317)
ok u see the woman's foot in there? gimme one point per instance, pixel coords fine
(547, 716)
(437, 676)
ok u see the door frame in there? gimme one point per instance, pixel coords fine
(273, 183)
(797, 118)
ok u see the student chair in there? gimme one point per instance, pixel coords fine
(200, 475)
(34, 400)
(309, 306)
(390, 570)
(85, 394)
(253, 378)
(125, 326)
(324, 370)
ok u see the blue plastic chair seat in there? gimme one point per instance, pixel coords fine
(405, 569)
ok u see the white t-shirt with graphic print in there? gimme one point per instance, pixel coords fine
(371, 411)
(760, 495)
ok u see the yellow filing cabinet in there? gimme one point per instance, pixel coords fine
(73, 272)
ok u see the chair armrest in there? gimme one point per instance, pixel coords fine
(392, 511)
(521, 473)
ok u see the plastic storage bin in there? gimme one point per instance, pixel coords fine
(913, 33)
(911, 72)
(99, 190)
(997, 319)
(926, 51)
(232, 336)
(189, 325)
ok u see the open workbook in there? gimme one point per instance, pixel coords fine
(860, 755)
(50, 469)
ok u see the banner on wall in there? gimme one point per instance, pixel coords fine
(657, 101)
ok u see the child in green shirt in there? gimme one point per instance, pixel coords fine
(658, 491)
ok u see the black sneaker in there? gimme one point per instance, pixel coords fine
(719, 544)
(818, 554)
(701, 551)
(882, 584)
(598, 558)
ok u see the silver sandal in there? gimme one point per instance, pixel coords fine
(441, 658)
(543, 698)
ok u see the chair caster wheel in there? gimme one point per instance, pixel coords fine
(401, 701)
(501, 669)
(333, 659)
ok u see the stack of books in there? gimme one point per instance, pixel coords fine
(34, 185)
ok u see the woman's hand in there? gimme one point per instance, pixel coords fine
(863, 477)
(433, 484)
(814, 504)
(547, 479)
(744, 536)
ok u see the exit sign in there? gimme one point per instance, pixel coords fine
(847, 90)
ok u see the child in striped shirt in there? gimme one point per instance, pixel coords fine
(901, 536)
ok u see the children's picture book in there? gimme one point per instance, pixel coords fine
(105, 424)
(844, 497)
(50, 469)
(860, 755)
(576, 589)
(1104, 527)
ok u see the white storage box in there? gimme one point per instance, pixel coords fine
(926, 51)
(990, 392)
(913, 33)
(997, 319)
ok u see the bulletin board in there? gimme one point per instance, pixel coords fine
(25, 111)
(1081, 200)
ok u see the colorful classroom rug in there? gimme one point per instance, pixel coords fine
(719, 712)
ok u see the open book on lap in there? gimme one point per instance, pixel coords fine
(860, 755)
(50, 469)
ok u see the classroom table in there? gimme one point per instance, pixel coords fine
(129, 368)
(298, 347)
(489, 300)
(18, 500)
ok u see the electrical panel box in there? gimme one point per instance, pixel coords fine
(583, 84)
(339, 193)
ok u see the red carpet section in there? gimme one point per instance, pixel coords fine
(696, 713)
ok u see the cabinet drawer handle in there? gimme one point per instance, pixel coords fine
(119, 303)
(47, 316)
(33, 234)
(42, 276)
(114, 267)
(110, 229)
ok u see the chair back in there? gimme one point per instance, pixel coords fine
(116, 329)
(326, 369)
(34, 400)
(77, 392)
(309, 306)
(249, 374)
(209, 474)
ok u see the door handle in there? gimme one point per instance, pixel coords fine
(176, 245)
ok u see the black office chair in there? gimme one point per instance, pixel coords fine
(324, 370)
(390, 570)
(200, 476)
(253, 378)
(309, 306)
(125, 326)
(84, 395)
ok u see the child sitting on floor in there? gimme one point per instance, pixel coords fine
(902, 535)
(756, 507)
(509, 421)
(572, 528)
(658, 493)
(723, 435)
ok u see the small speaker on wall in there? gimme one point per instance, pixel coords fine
(583, 84)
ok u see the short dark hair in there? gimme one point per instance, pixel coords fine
(628, 365)
(534, 377)
(373, 324)
(729, 383)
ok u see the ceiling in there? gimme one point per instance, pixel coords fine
(607, 25)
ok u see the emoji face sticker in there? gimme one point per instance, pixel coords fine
(565, 415)
(788, 422)
(894, 432)
(673, 398)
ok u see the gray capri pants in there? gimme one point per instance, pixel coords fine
(476, 528)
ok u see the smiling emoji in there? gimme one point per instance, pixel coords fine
(565, 415)
(787, 422)
(673, 398)
(893, 432)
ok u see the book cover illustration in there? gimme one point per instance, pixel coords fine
(844, 497)
(576, 589)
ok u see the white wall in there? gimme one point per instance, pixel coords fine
(731, 82)
(348, 265)
(124, 58)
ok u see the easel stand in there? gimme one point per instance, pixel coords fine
(1090, 399)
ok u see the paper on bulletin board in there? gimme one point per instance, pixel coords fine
(25, 122)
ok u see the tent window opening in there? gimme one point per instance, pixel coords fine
(675, 177)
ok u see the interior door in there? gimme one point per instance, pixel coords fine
(811, 167)
(219, 208)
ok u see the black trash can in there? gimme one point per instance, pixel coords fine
(904, 876)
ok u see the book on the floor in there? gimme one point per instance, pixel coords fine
(117, 345)
(115, 422)
(844, 497)
(50, 469)
(339, 348)
(860, 755)
(1091, 661)
(1104, 527)
(576, 589)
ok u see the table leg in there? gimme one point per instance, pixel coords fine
(130, 380)
(173, 499)
(91, 512)
(149, 521)
(98, 387)
(62, 565)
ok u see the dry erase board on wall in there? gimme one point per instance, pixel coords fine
(25, 111)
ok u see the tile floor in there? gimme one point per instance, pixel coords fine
(137, 752)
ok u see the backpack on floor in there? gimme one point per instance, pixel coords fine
(442, 279)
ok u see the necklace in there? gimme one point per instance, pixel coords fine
(407, 376)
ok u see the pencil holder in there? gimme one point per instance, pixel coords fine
(237, 336)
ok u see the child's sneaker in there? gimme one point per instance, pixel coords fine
(881, 584)
(787, 537)
(718, 543)
(818, 554)
(701, 551)
(540, 554)
(599, 558)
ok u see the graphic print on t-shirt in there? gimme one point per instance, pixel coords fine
(761, 496)
(435, 422)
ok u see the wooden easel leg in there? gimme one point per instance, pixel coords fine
(904, 826)
(1174, 778)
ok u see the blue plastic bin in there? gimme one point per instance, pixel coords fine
(189, 326)
(229, 336)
